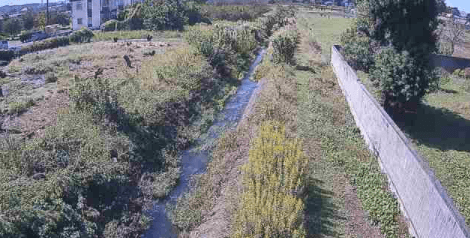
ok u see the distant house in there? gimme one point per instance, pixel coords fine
(13, 16)
(91, 13)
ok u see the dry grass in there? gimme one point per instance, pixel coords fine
(142, 34)
(27, 78)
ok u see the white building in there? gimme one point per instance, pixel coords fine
(92, 13)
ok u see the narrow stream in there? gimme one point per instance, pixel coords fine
(194, 161)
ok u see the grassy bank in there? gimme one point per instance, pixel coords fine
(113, 147)
(344, 190)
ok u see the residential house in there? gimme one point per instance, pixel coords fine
(92, 13)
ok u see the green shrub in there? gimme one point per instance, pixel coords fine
(194, 15)
(227, 47)
(94, 95)
(7, 55)
(164, 15)
(110, 25)
(444, 48)
(284, 45)
(357, 49)
(82, 35)
(20, 106)
(63, 41)
(51, 78)
(276, 20)
(404, 77)
(459, 73)
(45, 44)
(181, 68)
(25, 35)
(273, 178)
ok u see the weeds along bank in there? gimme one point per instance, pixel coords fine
(298, 99)
(115, 148)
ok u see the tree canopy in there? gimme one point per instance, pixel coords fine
(12, 26)
(405, 24)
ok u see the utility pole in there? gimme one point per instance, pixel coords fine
(47, 12)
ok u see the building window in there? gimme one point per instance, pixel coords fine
(79, 21)
(79, 6)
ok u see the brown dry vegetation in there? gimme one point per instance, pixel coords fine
(26, 79)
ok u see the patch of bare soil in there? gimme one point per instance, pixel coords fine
(112, 62)
(462, 50)
(34, 122)
(357, 224)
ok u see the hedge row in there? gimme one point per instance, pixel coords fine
(46, 44)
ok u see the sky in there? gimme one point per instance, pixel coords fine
(463, 5)
(21, 2)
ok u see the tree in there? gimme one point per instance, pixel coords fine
(452, 32)
(405, 24)
(28, 20)
(40, 21)
(407, 30)
(12, 26)
(441, 6)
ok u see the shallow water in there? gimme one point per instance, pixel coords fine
(194, 160)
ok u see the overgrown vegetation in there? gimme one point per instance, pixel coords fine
(388, 23)
(397, 73)
(45, 44)
(357, 46)
(226, 46)
(25, 35)
(272, 177)
(164, 15)
(191, 207)
(83, 35)
(120, 150)
(285, 44)
(20, 106)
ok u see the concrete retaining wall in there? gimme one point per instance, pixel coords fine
(425, 203)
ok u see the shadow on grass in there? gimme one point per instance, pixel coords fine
(321, 213)
(437, 128)
(448, 91)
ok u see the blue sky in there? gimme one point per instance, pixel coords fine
(461, 4)
(20, 2)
